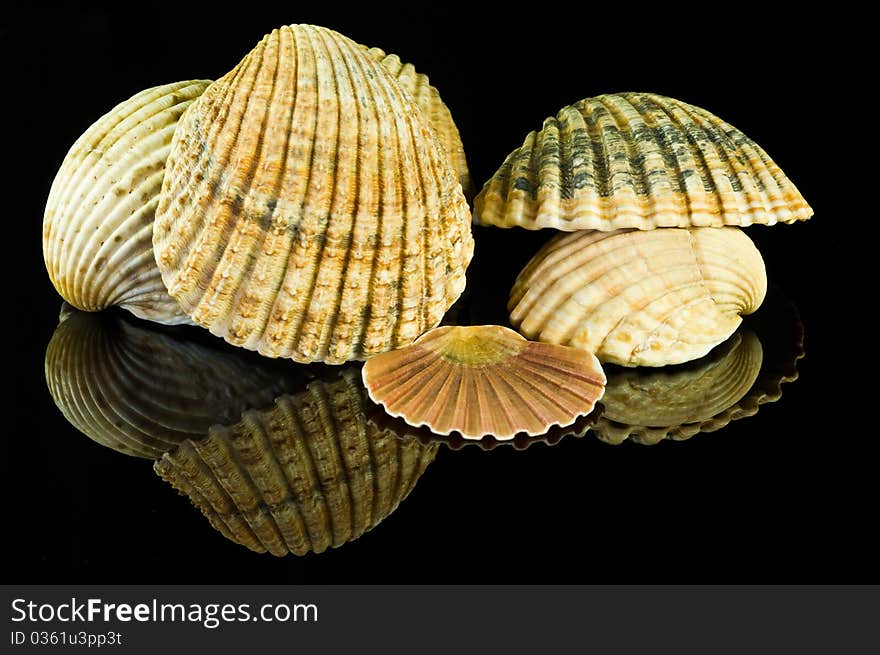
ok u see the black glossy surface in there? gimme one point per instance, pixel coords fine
(788, 495)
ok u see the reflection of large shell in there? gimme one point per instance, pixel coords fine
(637, 160)
(140, 391)
(428, 99)
(484, 380)
(649, 405)
(640, 298)
(308, 474)
(98, 225)
(308, 209)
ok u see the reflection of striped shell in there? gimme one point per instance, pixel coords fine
(428, 99)
(637, 298)
(140, 391)
(308, 209)
(305, 475)
(677, 403)
(637, 160)
(481, 380)
(98, 224)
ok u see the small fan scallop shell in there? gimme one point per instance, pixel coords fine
(484, 380)
(140, 390)
(637, 160)
(636, 298)
(98, 223)
(307, 474)
(428, 99)
(308, 209)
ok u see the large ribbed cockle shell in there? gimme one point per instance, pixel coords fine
(637, 160)
(304, 475)
(640, 298)
(141, 390)
(308, 209)
(428, 99)
(98, 222)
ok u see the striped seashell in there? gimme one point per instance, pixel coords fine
(141, 390)
(731, 383)
(640, 298)
(637, 160)
(98, 223)
(308, 210)
(484, 380)
(305, 475)
(428, 99)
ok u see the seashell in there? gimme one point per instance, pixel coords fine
(637, 160)
(484, 380)
(428, 99)
(308, 210)
(732, 382)
(98, 224)
(305, 475)
(640, 298)
(140, 390)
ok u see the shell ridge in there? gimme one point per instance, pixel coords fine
(81, 260)
(242, 328)
(162, 225)
(620, 292)
(70, 188)
(311, 510)
(231, 234)
(676, 172)
(204, 266)
(330, 52)
(529, 411)
(540, 372)
(304, 47)
(259, 458)
(326, 452)
(727, 156)
(395, 148)
(365, 303)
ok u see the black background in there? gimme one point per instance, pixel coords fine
(789, 495)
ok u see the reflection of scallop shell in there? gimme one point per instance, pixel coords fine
(303, 476)
(428, 99)
(580, 428)
(308, 209)
(732, 382)
(98, 225)
(484, 380)
(140, 391)
(640, 298)
(637, 160)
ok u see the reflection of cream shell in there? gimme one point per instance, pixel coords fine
(650, 405)
(98, 224)
(484, 380)
(140, 391)
(428, 99)
(308, 209)
(637, 160)
(640, 298)
(307, 474)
